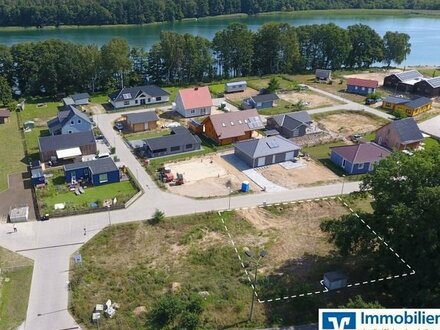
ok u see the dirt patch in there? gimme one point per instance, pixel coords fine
(379, 75)
(240, 96)
(310, 99)
(309, 174)
(94, 108)
(348, 123)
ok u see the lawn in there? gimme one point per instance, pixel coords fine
(217, 90)
(431, 143)
(31, 139)
(173, 92)
(322, 150)
(14, 293)
(33, 112)
(193, 255)
(282, 106)
(13, 151)
(57, 192)
(100, 98)
(263, 82)
(146, 134)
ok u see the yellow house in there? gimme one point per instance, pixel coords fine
(410, 107)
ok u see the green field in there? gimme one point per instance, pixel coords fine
(217, 90)
(100, 98)
(14, 292)
(12, 149)
(263, 82)
(321, 151)
(282, 106)
(33, 112)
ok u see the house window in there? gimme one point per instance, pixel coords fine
(79, 121)
(360, 166)
(149, 100)
(126, 102)
(363, 88)
(72, 122)
(176, 148)
(355, 87)
(159, 98)
(188, 146)
(103, 178)
(137, 101)
(343, 163)
(193, 111)
(70, 132)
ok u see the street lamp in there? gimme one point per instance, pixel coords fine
(343, 181)
(108, 211)
(256, 261)
(229, 202)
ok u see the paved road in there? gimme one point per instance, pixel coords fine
(50, 244)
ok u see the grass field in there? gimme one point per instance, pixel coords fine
(282, 106)
(57, 192)
(322, 150)
(263, 82)
(32, 111)
(217, 90)
(100, 98)
(193, 254)
(14, 292)
(12, 149)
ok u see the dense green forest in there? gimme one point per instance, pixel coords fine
(100, 12)
(54, 66)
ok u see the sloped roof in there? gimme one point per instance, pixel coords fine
(418, 102)
(362, 153)
(198, 97)
(65, 141)
(235, 123)
(80, 96)
(64, 116)
(172, 140)
(408, 75)
(130, 93)
(407, 130)
(96, 166)
(322, 73)
(293, 120)
(396, 100)
(434, 82)
(5, 113)
(266, 146)
(265, 97)
(141, 117)
(362, 82)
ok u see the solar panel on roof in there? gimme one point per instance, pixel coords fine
(272, 144)
(409, 75)
(255, 122)
(126, 96)
(434, 82)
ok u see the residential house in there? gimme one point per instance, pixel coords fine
(230, 127)
(96, 172)
(4, 116)
(361, 86)
(140, 95)
(400, 135)
(77, 99)
(180, 140)
(266, 151)
(235, 86)
(403, 81)
(68, 121)
(428, 87)
(358, 158)
(290, 125)
(141, 121)
(412, 107)
(261, 101)
(194, 102)
(322, 75)
(66, 146)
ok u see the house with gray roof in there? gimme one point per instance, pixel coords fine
(412, 107)
(137, 96)
(180, 140)
(400, 135)
(266, 151)
(141, 121)
(358, 158)
(66, 146)
(290, 125)
(403, 81)
(260, 101)
(96, 172)
(428, 87)
(322, 75)
(69, 120)
(77, 99)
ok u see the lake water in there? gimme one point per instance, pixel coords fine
(424, 31)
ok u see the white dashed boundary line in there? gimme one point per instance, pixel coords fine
(410, 272)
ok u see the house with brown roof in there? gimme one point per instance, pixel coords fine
(4, 116)
(230, 127)
(361, 86)
(194, 102)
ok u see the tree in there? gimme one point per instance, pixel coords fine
(366, 46)
(5, 91)
(273, 85)
(358, 302)
(396, 47)
(158, 217)
(115, 58)
(405, 214)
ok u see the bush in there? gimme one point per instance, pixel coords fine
(158, 217)
(400, 114)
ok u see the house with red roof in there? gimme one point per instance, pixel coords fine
(194, 102)
(358, 158)
(361, 86)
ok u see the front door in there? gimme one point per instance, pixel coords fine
(142, 101)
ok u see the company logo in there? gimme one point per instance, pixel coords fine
(338, 321)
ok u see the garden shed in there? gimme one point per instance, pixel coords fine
(335, 280)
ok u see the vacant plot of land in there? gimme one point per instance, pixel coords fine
(312, 173)
(240, 96)
(378, 75)
(310, 99)
(349, 122)
(15, 282)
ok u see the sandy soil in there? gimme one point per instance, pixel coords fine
(312, 173)
(313, 100)
(241, 95)
(94, 108)
(379, 76)
(207, 177)
(296, 232)
(350, 123)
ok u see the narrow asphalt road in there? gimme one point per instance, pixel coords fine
(50, 244)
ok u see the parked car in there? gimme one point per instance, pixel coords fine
(369, 101)
(355, 137)
(119, 126)
(44, 217)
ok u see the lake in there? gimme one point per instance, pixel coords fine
(424, 31)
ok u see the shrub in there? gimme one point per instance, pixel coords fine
(158, 217)
(400, 114)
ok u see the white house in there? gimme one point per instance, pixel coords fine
(194, 102)
(68, 121)
(141, 95)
